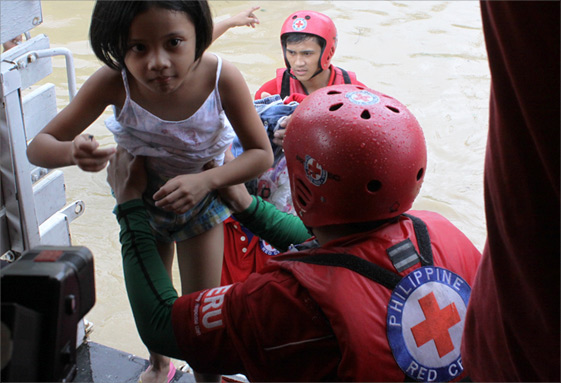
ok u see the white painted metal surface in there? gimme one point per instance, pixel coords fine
(34, 210)
(18, 17)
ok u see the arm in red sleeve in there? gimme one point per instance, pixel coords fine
(268, 328)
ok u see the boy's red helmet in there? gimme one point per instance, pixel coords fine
(353, 155)
(312, 23)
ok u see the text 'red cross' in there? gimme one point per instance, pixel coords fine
(436, 325)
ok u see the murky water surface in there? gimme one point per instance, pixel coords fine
(429, 55)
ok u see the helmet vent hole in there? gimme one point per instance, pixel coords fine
(307, 17)
(335, 107)
(365, 115)
(374, 186)
(420, 174)
(332, 92)
(395, 110)
(303, 193)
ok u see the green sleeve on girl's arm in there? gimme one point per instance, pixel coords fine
(149, 288)
(278, 228)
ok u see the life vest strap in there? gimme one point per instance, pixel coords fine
(371, 270)
(285, 84)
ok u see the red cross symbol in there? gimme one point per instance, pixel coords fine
(314, 169)
(362, 97)
(436, 325)
(298, 24)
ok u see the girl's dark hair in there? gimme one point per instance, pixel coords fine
(111, 21)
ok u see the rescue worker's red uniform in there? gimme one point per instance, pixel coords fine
(267, 326)
(244, 252)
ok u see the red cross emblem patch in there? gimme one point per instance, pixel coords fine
(362, 97)
(299, 24)
(314, 171)
(425, 321)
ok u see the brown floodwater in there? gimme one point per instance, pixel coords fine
(430, 55)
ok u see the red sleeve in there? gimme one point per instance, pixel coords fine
(269, 87)
(267, 328)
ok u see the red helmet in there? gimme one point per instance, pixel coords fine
(312, 23)
(353, 155)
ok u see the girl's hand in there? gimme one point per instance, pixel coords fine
(246, 17)
(182, 192)
(87, 156)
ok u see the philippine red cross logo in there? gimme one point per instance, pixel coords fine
(362, 97)
(425, 322)
(314, 171)
(435, 326)
(299, 24)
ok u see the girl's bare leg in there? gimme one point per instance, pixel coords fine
(200, 267)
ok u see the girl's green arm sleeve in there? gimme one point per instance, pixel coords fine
(278, 228)
(149, 288)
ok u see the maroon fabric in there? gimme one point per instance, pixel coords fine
(512, 329)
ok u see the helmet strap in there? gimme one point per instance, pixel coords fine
(320, 69)
(317, 72)
(290, 74)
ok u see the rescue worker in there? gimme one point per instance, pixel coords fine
(379, 294)
(308, 40)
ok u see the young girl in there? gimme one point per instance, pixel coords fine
(171, 100)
